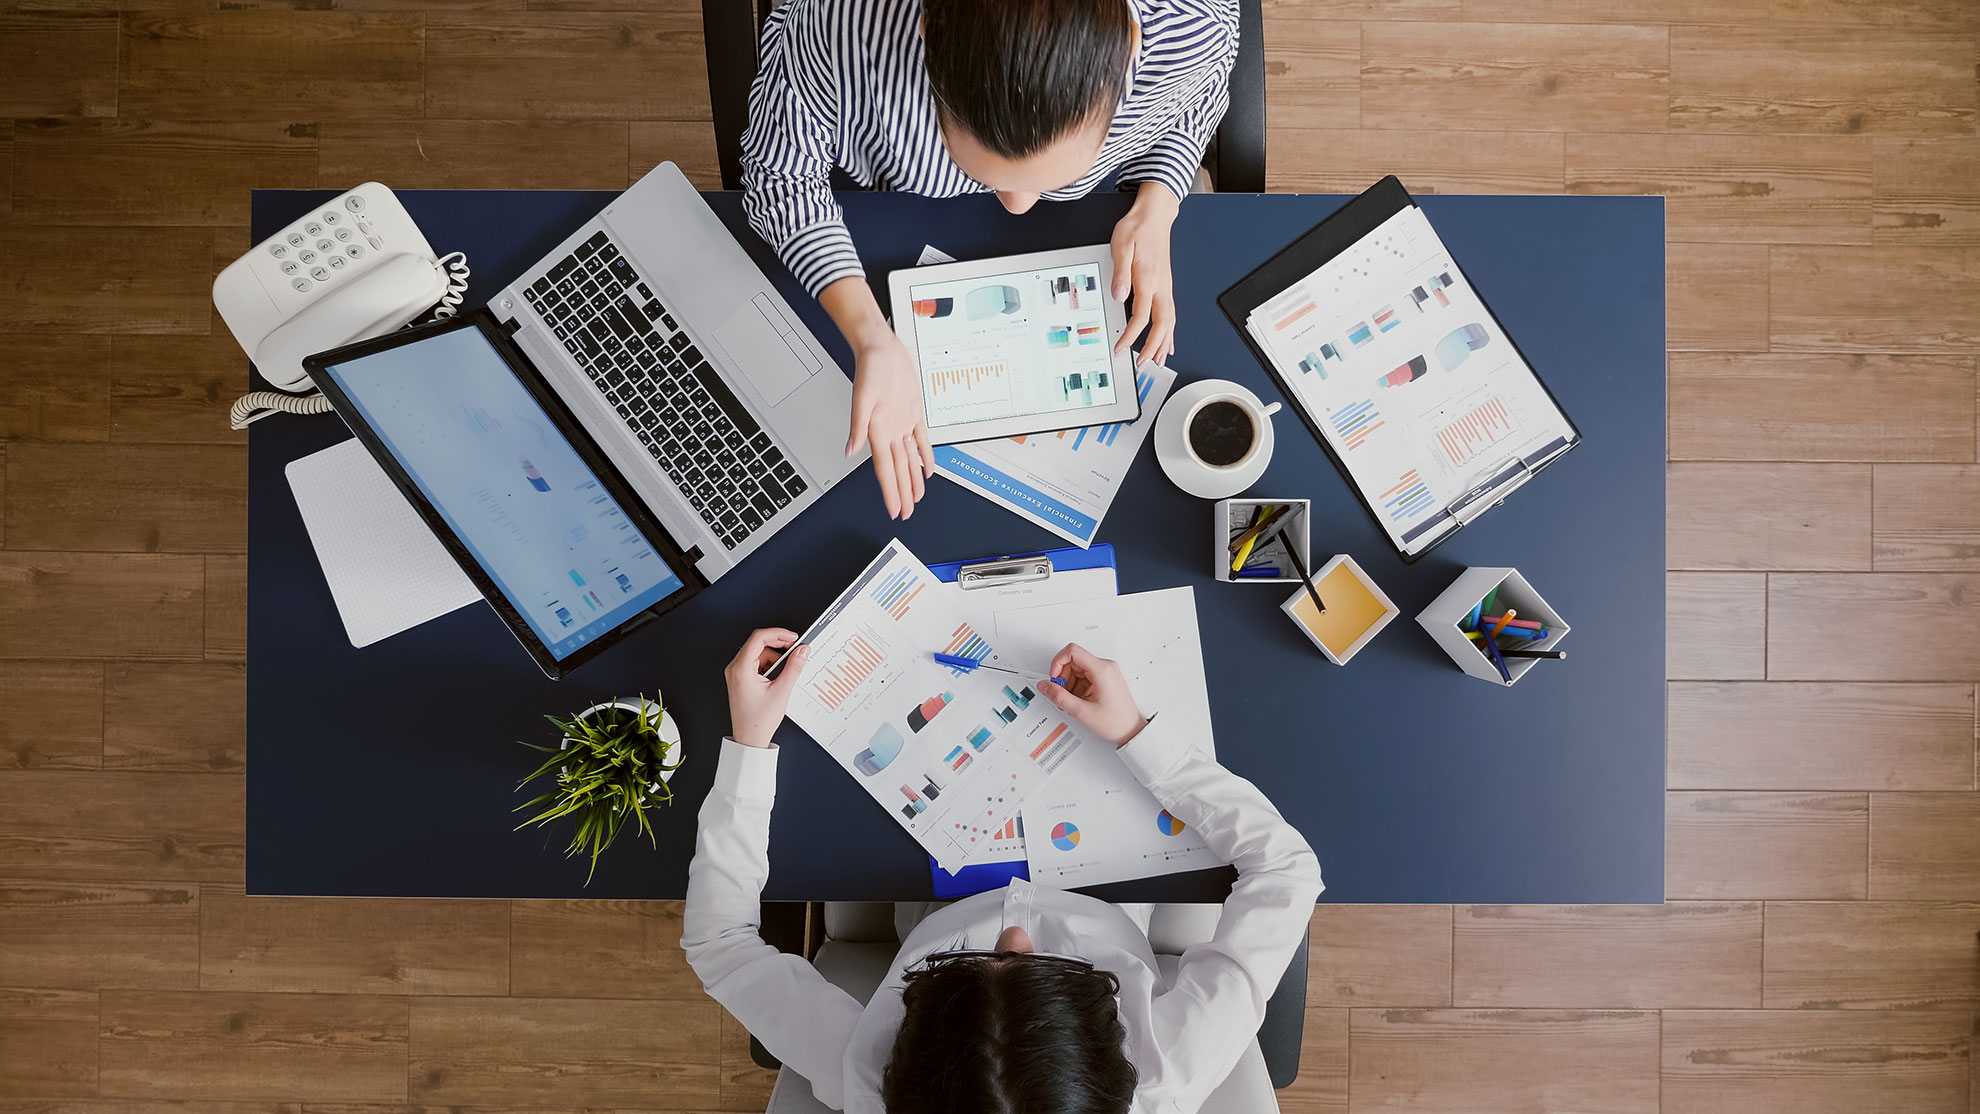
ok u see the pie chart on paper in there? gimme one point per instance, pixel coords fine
(1167, 824)
(1065, 837)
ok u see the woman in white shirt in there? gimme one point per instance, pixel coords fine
(1040, 1002)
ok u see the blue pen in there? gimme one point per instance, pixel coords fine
(1261, 572)
(1492, 651)
(971, 665)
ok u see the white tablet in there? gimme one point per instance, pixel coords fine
(1022, 344)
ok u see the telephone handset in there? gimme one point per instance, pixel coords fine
(355, 268)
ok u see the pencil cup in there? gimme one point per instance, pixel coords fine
(1357, 609)
(1445, 614)
(1228, 518)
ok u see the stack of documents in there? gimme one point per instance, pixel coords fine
(951, 754)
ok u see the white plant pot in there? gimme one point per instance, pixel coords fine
(670, 732)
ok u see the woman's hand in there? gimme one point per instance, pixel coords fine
(757, 703)
(1095, 694)
(886, 413)
(1141, 263)
(886, 402)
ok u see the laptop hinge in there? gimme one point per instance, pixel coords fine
(693, 555)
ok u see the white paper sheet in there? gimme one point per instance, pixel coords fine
(982, 606)
(1095, 822)
(1417, 389)
(386, 570)
(950, 755)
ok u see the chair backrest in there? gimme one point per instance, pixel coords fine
(730, 28)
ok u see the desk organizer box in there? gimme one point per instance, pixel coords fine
(1352, 620)
(1229, 511)
(1445, 612)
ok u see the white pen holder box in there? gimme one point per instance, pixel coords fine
(1228, 518)
(1357, 609)
(1445, 614)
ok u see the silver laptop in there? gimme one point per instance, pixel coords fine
(672, 349)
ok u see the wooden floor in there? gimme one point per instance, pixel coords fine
(1818, 953)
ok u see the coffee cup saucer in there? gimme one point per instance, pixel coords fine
(1184, 470)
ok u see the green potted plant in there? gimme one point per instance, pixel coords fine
(612, 764)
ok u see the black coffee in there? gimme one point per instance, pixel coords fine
(1221, 434)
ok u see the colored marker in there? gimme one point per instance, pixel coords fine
(1511, 632)
(1531, 624)
(1554, 654)
(1261, 572)
(1508, 617)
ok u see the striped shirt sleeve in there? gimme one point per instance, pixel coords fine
(788, 150)
(1208, 42)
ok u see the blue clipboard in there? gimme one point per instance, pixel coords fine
(1014, 568)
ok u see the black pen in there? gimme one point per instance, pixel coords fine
(1278, 531)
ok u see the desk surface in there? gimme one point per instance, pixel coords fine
(390, 770)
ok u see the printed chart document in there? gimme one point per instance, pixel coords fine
(1095, 822)
(1412, 382)
(951, 755)
(981, 606)
(1063, 481)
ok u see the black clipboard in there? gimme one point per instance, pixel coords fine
(1309, 253)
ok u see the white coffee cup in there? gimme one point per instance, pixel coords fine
(1225, 433)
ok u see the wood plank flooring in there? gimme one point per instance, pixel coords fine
(1821, 161)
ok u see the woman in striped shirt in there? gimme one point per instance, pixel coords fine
(1029, 99)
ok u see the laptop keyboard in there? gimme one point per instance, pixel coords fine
(652, 374)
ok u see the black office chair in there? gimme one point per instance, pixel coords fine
(1235, 158)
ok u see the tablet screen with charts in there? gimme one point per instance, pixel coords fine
(1023, 344)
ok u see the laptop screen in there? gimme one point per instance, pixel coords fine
(498, 470)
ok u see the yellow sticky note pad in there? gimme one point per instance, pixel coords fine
(1356, 609)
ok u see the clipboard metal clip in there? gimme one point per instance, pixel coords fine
(1491, 493)
(1004, 570)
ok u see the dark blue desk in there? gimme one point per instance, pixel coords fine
(390, 770)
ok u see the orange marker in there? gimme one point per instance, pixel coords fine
(1503, 620)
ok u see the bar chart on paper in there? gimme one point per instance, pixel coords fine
(1355, 422)
(857, 661)
(1484, 424)
(1409, 498)
(896, 591)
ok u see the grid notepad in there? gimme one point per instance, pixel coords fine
(386, 570)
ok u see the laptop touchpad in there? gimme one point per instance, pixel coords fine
(763, 349)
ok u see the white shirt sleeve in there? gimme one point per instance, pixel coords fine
(1203, 1023)
(782, 1000)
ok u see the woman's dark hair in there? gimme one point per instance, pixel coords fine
(1021, 73)
(1009, 1034)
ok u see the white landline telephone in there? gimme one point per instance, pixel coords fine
(355, 268)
